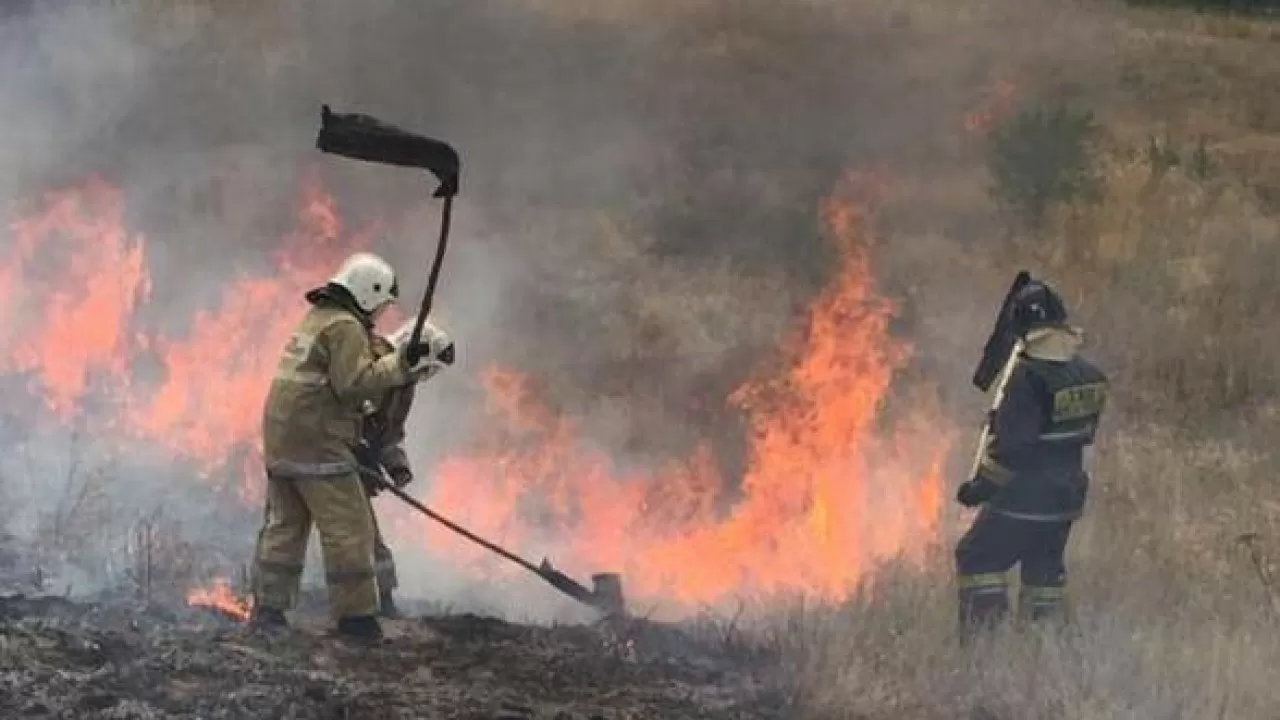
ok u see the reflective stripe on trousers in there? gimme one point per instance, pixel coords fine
(982, 583)
(983, 600)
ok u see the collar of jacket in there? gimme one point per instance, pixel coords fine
(1058, 343)
(325, 296)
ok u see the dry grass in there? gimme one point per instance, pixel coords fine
(1170, 618)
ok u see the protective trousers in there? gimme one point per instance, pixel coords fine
(340, 510)
(993, 545)
(384, 565)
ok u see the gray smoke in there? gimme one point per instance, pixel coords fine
(638, 226)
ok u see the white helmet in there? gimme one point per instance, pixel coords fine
(369, 279)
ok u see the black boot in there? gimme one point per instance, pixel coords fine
(387, 605)
(364, 628)
(267, 619)
(981, 609)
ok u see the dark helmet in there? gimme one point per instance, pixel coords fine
(1036, 305)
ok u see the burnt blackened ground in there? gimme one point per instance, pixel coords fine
(60, 659)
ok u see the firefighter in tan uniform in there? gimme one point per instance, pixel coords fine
(311, 427)
(382, 456)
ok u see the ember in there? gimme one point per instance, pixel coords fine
(221, 598)
(997, 105)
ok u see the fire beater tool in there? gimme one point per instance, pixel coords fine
(999, 356)
(364, 137)
(606, 595)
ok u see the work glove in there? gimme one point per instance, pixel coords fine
(400, 476)
(975, 492)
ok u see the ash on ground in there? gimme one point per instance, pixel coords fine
(68, 659)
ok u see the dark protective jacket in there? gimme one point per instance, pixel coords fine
(384, 425)
(1049, 415)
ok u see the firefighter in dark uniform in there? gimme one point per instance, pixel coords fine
(1031, 481)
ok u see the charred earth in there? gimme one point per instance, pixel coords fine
(65, 659)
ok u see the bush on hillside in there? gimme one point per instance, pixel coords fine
(1043, 157)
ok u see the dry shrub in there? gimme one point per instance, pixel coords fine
(85, 531)
(69, 530)
(161, 562)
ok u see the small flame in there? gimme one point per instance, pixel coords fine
(220, 597)
(993, 108)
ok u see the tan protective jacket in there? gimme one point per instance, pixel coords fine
(313, 416)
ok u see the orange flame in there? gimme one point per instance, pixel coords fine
(220, 597)
(68, 323)
(70, 284)
(823, 497)
(826, 494)
(217, 375)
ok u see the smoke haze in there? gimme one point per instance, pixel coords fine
(638, 224)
